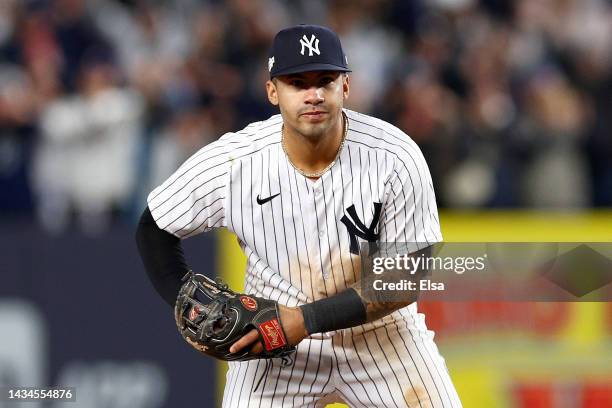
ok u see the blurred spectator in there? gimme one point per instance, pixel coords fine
(29, 60)
(370, 49)
(16, 138)
(554, 125)
(509, 100)
(77, 36)
(185, 135)
(86, 156)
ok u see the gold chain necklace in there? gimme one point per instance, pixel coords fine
(319, 173)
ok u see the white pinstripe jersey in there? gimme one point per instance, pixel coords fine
(297, 245)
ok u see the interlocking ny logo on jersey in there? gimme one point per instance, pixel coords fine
(356, 228)
(312, 45)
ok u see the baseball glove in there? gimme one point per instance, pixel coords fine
(212, 317)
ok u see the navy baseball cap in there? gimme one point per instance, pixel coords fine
(304, 48)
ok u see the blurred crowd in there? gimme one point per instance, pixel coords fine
(100, 100)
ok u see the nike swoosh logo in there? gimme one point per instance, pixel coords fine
(261, 201)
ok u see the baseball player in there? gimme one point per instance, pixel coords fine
(301, 191)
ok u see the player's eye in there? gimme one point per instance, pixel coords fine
(326, 80)
(297, 83)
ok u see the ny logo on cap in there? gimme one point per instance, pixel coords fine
(312, 45)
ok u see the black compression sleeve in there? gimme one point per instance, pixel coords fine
(341, 311)
(162, 256)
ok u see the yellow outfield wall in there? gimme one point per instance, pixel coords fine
(521, 365)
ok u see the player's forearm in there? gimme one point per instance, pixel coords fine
(377, 303)
(377, 309)
(343, 310)
(162, 256)
(348, 308)
(353, 306)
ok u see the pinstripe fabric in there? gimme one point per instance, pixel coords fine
(298, 251)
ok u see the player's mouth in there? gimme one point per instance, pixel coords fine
(314, 116)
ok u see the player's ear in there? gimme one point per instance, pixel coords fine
(272, 93)
(345, 85)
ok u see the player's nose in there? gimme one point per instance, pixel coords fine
(314, 95)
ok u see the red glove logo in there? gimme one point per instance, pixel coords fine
(272, 334)
(249, 303)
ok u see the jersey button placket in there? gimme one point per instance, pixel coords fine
(321, 225)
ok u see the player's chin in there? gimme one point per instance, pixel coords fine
(315, 123)
(314, 130)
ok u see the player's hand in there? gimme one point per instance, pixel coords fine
(293, 326)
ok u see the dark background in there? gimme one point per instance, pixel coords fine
(99, 308)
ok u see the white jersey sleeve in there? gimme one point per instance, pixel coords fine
(410, 211)
(192, 200)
